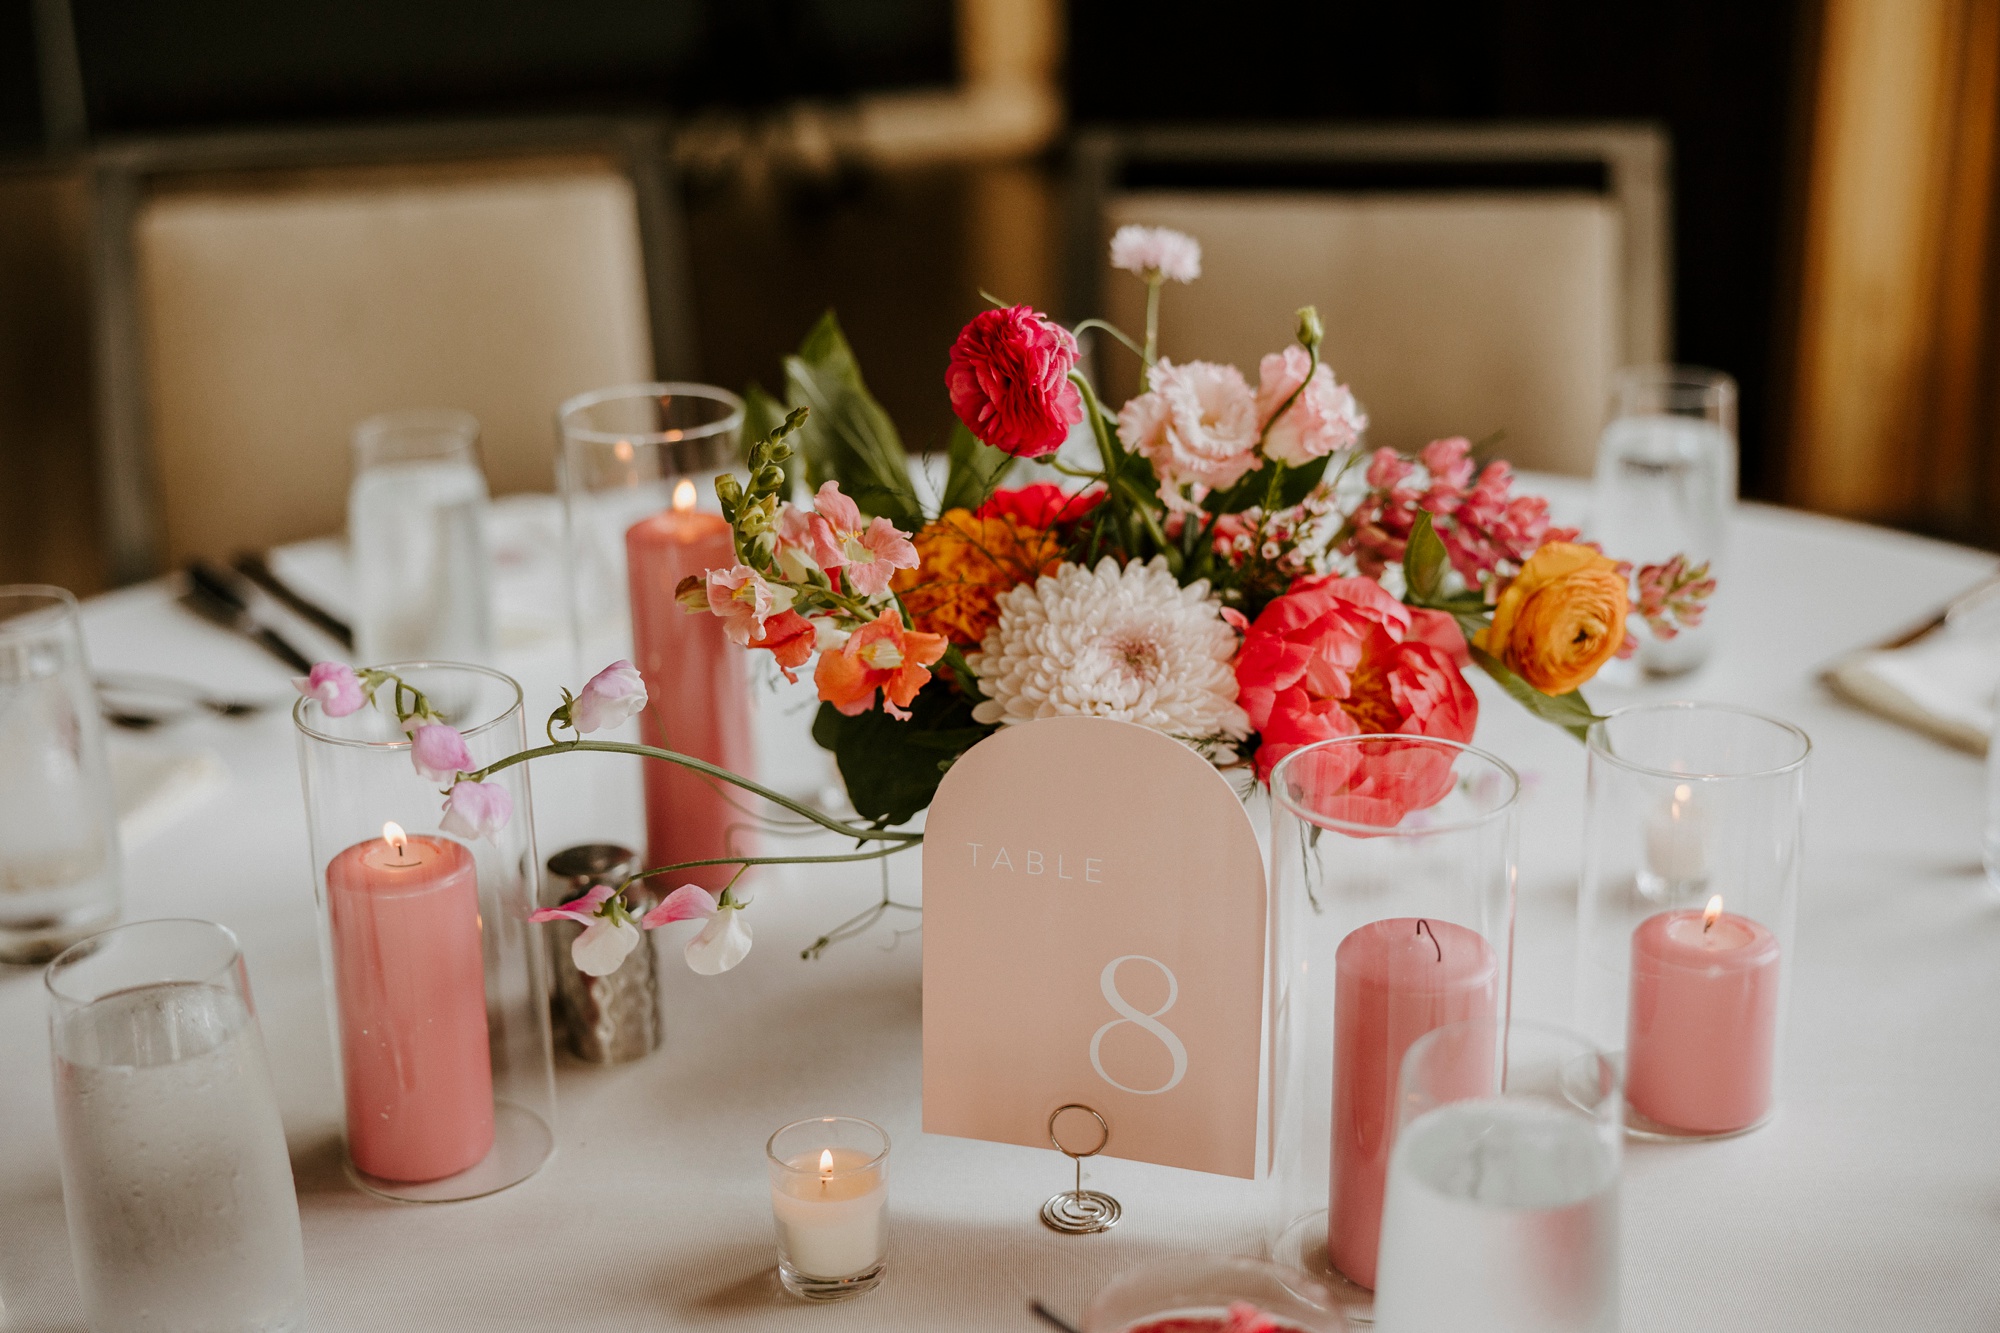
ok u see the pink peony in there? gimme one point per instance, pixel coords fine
(1341, 657)
(1324, 420)
(1196, 424)
(439, 752)
(1156, 252)
(477, 809)
(1009, 381)
(336, 687)
(744, 600)
(608, 698)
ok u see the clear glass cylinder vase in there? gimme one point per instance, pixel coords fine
(437, 983)
(1392, 886)
(1686, 909)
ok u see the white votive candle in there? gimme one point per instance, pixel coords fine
(1677, 840)
(829, 1196)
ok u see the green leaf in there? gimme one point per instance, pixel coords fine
(1568, 711)
(849, 438)
(1424, 562)
(975, 470)
(892, 768)
(1297, 484)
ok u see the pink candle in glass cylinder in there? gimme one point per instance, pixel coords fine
(1394, 980)
(697, 687)
(1704, 1020)
(403, 914)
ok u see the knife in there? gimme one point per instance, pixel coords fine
(253, 566)
(210, 596)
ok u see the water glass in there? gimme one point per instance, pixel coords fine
(1392, 886)
(416, 531)
(1686, 908)
(58, 815)
(1666, 485)
(1502, 1212)
(175, 1178)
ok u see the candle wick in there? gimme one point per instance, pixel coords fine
(1424, 927)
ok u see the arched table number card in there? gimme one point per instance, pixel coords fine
(1094, 932)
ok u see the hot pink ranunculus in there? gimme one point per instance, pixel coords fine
(1341, 657)
(1009, 381)
(1323, 420)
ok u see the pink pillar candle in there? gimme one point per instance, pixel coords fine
(696, 681)
(1704, 1020)
(408, 975)
(1394, 980)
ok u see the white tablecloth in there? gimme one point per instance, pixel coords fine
(1873, 1201)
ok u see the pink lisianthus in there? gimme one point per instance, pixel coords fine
(868, 556)
(1341, 657)
(745, 599)
(1009, 381)
(1156, 252)
(608, 698)
(336, 687)
(608, 938)
(1324, 419)
(439, 752)
(1196, 423)
(477, 809)
(721, 944)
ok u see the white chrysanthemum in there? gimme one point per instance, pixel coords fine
(1127, 643)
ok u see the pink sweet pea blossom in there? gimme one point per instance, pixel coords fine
(608, 698)
(721, 944)
(868, 555)
(606, 941)
(1323, 420)
(1196, 423)
(477, 809)
(336, 687)
(439, 752)
(1158, 252)
(745, 600)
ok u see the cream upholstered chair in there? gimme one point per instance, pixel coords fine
(1473, 281)
(259, 296)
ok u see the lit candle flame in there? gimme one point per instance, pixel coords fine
(683, 496)
(1711, 912)
(622, 451)
(392, 833)
(826, 1161)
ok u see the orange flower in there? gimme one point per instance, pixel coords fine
(966, 562)
(881, 654)
(1561, 618)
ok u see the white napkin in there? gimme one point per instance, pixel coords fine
(155, 787)
(1942, 684)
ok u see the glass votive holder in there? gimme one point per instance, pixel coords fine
(1502, 1208)
(829, 1197)
(1686, 909)
(1392, 886)
(1201, 1293)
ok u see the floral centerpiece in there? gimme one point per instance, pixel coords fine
(1223, 563)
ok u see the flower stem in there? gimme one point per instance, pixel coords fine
(714, 771)
(873, 854)
(1153, 284)
(1107, 451)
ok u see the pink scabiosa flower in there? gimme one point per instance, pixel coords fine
(1323, 420)
(1196, 423)
(1156, 252)
(745, 599)
(336, 687)
(476, 809)
(720, 944)
(868, 556)
(1009, 381)
(608, 698)
(608, 938)
(439, 752)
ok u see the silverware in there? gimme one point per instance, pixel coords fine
(253, 566)
(140, 702)
(210, 596)
(1051, 1318)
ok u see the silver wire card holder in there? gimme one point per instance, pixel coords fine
(1080, 1212)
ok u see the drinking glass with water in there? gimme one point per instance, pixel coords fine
(416, 531)
(176, 1182)
(58, 816)
(1666, 486)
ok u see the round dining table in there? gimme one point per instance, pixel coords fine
(1870, 1201)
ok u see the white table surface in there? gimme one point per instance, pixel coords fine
(1872, 1201)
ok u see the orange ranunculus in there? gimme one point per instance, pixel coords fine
(965, 563)
(881, 654)
(1561, 618)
